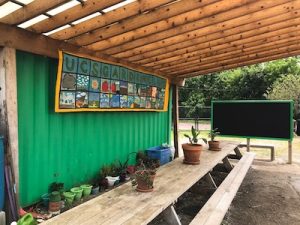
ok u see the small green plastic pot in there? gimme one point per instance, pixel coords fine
(78, 192)
(46, 198)
(69, 196)
(87, 188)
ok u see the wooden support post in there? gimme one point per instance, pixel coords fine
(210, 180)
(175, 119)
(238, 152)
(248, 144)
(9, 110)
(227, 164)
(171, 216)
(290, 160)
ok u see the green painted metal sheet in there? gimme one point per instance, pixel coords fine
(71, 147)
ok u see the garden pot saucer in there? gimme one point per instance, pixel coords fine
(214, 149)
(191, 163)
(144, 190)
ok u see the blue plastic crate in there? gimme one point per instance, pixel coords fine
(160, 153)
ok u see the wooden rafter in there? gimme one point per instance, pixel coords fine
(191, 45)
(161, 25)
(108, 18)
(233, 20)
(252, 47)
(210, 33)
(72, 14)
(28, 41)
(30, 11)
(240, 64)
(244, 58)
(2, 2)
(129, 24)
(268, 46)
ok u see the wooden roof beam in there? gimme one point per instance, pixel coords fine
(30, 11)
(98, 22)
(212, 37)
(262, 54)
(72, 14)
(165, 24)
(226, 45)
(241, 15)
(209, 40)
(35, 43)
(128, 24)
(2, 2)
(240, 64)
(238, 53)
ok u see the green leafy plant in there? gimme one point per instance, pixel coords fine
(55, 186)
(194, 138)
(144, 174)
(55, 196)
(213, 134)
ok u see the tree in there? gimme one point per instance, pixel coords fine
(287, 88)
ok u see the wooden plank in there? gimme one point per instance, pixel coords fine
(175, 112)
(249, 44)
(132, 9)
(159, 14)
(227, 164)
(195, 29)
(211, 44)
(213, 212)
(209, 179)
(162, 25)
(9, 108)
(267, 53)
(171, 216)
(290, 153)
(211, 33)
(264, 48)
(124, 205)
(30, 11)
(2, 2)
(240, 64)
(42, 45)
(72, 14)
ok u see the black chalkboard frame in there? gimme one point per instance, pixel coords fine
(291, 106)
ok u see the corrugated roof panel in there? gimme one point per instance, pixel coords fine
(33, 21)
(8, 8)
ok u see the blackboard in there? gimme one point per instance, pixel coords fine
(253, 119)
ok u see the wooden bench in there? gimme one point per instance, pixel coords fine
(213, 212)
(271, 147)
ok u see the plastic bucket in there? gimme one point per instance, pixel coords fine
(78, 192)
(87, 189)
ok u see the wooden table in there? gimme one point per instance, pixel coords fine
(124, 205)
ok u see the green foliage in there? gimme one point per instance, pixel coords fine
(213, 134)
(194, 138)
(55, 186)
(287, 88)
(250, 82)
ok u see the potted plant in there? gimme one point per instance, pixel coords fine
(78, 192)
(213, 144)
(144, 178)
(55, 203)
(95, 182)
(69, 197)
(192, 150)
(86, 189)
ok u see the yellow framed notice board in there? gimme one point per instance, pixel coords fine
(86, 84)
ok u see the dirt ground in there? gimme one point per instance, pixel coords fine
(269, 195)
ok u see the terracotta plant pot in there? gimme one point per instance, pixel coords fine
(144, 182)
(214, 145)
(54, 207)
(191, 153)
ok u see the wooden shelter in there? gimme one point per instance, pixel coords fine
(176, 39)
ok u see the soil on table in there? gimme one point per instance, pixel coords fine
(269, 195)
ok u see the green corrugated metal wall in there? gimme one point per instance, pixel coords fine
(71, 147)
